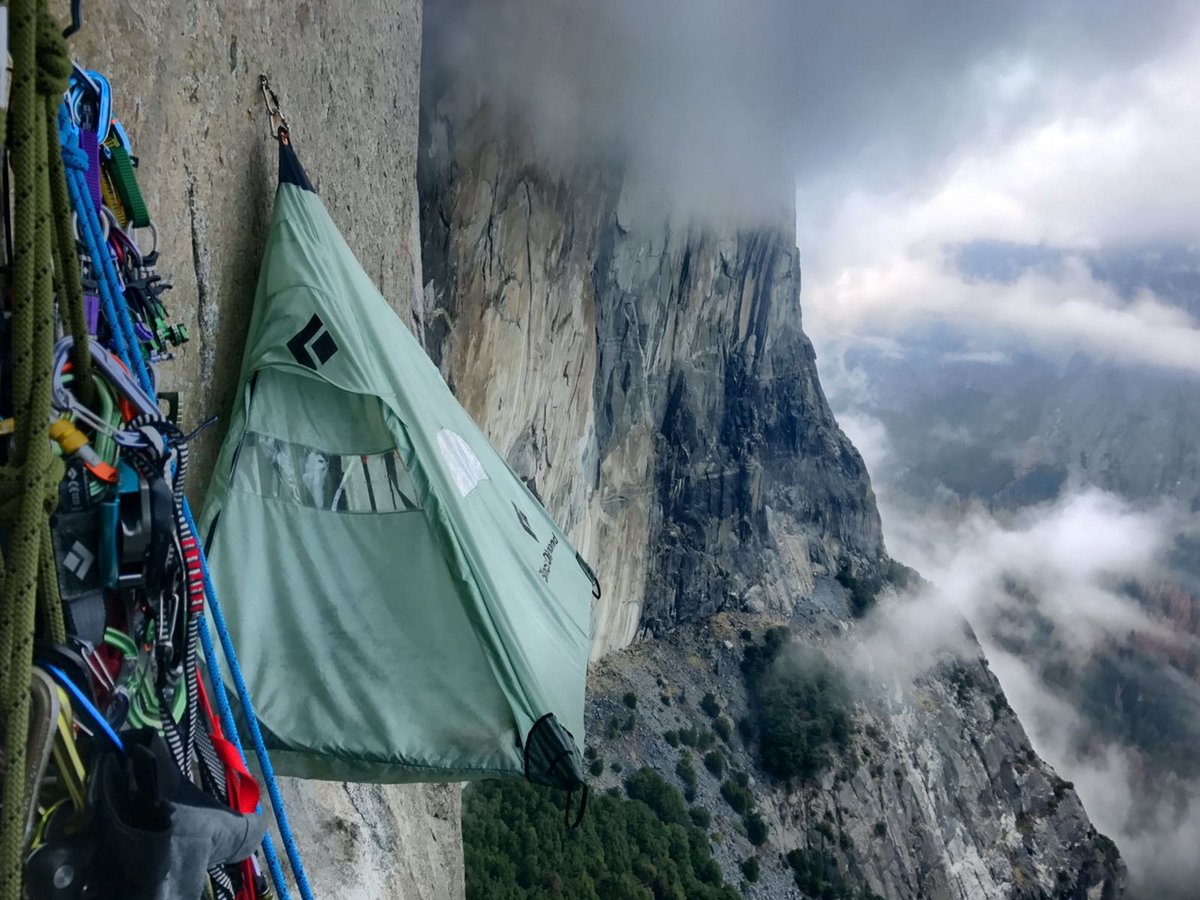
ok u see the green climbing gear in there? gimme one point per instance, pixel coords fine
(64, 528)
(117, 152)
(29, 478)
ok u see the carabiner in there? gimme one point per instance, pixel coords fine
(279, 125)
(130, 231)
(123, 239)
(93, 87)
(105, 228)
(76, 19)
(78, 73)
(110, 367)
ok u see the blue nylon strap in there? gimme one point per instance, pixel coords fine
(129, 351)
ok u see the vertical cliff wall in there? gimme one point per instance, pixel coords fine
(650, 379)
(185, 76)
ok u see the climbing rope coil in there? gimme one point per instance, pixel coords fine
(119, 778)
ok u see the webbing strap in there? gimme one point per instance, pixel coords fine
(127, 186)
(89, 143)
(240, 787)
(110, 197)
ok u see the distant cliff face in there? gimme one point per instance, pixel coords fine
(937, 794)
(1016, 431)
(1130, 432)
(650, 380)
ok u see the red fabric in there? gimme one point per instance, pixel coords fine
(246, 891)
(195, 574)
(243, 791)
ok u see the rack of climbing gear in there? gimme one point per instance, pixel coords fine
(119, 780)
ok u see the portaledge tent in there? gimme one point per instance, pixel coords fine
(402, 606)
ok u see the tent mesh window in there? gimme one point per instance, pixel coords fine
(276, 469)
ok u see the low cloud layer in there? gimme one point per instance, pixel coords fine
(1067, 560)
(1057, 313)
(1072, 554)
(1064, 562)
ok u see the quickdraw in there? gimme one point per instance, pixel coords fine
(124, 745)
(108, 175)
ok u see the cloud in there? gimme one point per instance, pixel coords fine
(1070, 555)
(1162, 851)
(1103, 164)
(1098, 160)
(1056, 314)
(717, 107)
(1055, 569)
(984, 357)
(870, 437)
(1156, 834)
(1067, 560)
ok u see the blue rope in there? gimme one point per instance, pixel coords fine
(112, 296)
(260, 747)
(126, 343)
(210, 660)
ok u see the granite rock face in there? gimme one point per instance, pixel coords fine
(936, 794)
(185, 82)
(648, 378)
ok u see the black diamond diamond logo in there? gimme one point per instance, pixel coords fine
(313, 339)
(78, 560)
(524, 521)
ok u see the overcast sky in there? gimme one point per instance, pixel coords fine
(1098, 159)
(908, 127)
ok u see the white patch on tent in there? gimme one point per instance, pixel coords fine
(465, 467)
